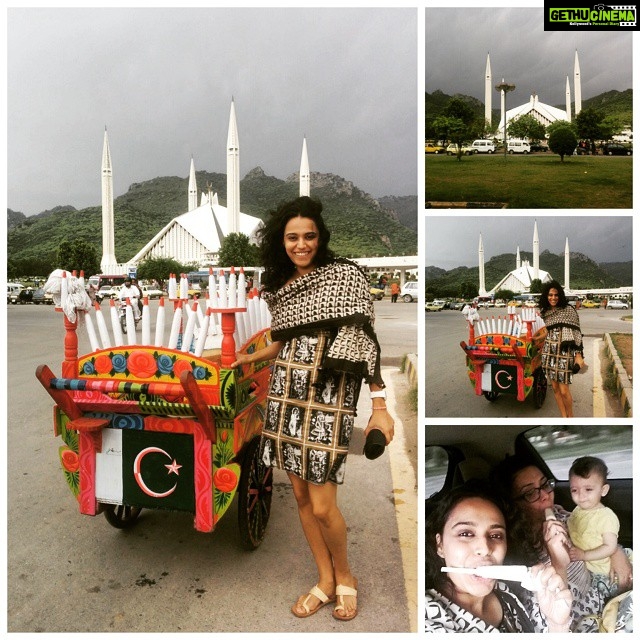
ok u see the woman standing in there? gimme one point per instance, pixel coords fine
(562, 349)
(324, 345)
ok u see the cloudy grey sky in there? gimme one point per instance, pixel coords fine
(536, 61)
(452, 241)
(162, 81)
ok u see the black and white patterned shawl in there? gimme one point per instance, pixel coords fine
(444, 615)
(336, 297)
(567, 320)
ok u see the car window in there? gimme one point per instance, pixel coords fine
(560, 446)
(436, 467)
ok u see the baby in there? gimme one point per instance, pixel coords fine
(593, 528)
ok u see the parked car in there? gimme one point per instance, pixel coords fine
(376, 293)
(151, 292)
(433, 148)
(518, 146)
(616, 149)
(456, 306)
(617, 304)
(433, 306)
(107, 291)
(409, 291)
(465, 149)
(539, 147)
(590, 304)
(483, 146)
(40, 297)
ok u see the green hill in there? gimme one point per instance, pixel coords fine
(360, 225)
(585, 273)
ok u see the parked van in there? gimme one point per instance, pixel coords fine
(484, 146)
(518, 146)
(13, 292)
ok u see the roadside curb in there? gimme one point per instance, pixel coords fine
(411, 368)
(624, 386)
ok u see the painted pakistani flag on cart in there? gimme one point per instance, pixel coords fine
(500, 378)
(146, 469)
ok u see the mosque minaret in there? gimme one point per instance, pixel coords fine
(193, 188)
(482, 291)
(108, 263)
(305, 175)
(487, 92)
(536, 251)
(233, 173)
(568, 99)
(566, 266)
(577, 85)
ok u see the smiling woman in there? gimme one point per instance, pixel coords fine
(466, 528)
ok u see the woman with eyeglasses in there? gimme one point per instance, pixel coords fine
(540, 535)
(562, 349)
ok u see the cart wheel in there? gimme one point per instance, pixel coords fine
(121, 516)
(539, 387)
(254, 497)
(491, 396)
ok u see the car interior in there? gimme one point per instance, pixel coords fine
(457, 453)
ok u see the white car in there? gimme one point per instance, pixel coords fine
(465, 149)
(409, 291)
(151, 292)
(617, 304)
(484, 146)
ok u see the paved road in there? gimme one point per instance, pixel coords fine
(449, 394)
(74, 573)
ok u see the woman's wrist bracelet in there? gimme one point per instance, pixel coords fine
(383, 408)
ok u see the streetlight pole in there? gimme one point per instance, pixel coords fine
(504, 88)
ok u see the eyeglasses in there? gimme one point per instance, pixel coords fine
(533, 495)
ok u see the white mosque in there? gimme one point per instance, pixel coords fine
(519, 280)
(543, 113)
(195, 236)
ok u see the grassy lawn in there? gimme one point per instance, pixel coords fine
(534, 181)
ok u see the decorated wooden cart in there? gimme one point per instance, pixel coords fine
(164, 427)
(503, 355)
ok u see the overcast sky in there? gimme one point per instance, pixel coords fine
(452, 241)
(536, 61)
(161, 80)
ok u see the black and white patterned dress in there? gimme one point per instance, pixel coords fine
(557, 363)
(310, 412)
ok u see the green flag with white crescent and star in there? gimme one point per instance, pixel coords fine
(146, 469)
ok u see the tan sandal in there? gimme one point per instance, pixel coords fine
(341, 591)
(317, 593)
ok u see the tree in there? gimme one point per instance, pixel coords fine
(237, 251)
(536, 286)
(526, 126)
(563, 141)
(561, 124)
(588, 123)
(458, 124)
(468, 290)
(78, 255)
(504, 294)
(159, 269)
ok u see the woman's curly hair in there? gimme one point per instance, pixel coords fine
(274, 258)
(544, 295)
